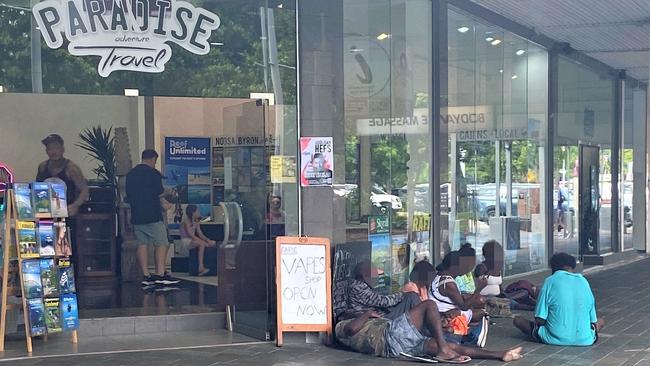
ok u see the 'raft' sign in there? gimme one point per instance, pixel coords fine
(131, 35)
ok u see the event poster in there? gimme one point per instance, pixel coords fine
(316, 161)
(188, 171)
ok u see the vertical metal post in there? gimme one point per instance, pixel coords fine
(37, 72)
(438, 138)
(615, 224)
(265, 45)
(550, 147)
(273, 58)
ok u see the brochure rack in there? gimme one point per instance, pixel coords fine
(44, 312)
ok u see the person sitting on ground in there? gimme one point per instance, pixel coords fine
(360, 297)
(471, 325)
(522, 293)
(420, 279)
(417, 332)
(491, 268)
(566, 309)
(193, 237)
(466, 281)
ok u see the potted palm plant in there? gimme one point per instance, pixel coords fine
(99, 143)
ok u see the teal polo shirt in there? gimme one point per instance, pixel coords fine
(568, 306)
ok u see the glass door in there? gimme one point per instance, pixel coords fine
(242, 192)
(589, 199)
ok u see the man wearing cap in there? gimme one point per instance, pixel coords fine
(59, 167)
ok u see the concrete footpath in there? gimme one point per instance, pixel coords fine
(622, 295)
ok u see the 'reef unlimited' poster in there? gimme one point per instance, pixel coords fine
(316, 161)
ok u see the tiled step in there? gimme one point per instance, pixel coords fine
(150, 324)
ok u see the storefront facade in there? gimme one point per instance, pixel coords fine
(448, 123)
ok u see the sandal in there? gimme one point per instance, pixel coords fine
(456, 360)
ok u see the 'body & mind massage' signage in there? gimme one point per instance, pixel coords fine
(131, 35)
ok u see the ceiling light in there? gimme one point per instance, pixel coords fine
(463, 29)
(501, 71)
(495, 42)
(216, 43)
(131, 92)
(355, 49)
(382, 36)
(280, 6)
(520, 52)
(489, 39)
(514, 76)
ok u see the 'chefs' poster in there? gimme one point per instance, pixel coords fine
(316, 161)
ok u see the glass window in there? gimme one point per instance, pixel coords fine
(494, 124)
(387, 48)
(585, 120)
(631, 175)
(203, 103)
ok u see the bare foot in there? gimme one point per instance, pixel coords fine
(204, 271)
(446, 353)
(599, 324)
(512, 354)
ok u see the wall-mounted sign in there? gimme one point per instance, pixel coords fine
(188, 171)
(131, 35)
(283, 169)
(316, 161)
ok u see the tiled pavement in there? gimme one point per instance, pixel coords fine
(623, 299)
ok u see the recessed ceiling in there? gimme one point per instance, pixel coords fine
(614, 32)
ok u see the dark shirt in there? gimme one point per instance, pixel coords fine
(143, 190)
(354, 297)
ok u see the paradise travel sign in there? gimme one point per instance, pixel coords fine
(131, 35)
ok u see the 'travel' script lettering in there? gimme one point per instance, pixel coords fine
(131, 35)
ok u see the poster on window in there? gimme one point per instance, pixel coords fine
(316, 161)
(188, 172)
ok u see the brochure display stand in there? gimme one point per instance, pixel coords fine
(36, 266)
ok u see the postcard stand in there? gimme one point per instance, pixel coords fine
(11, 240)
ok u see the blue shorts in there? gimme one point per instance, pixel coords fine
(403, 336)
(154, 233)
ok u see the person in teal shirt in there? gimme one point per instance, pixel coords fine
(565, 314)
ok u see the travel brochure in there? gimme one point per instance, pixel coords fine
(32, 278)
(27, 239)
(43, 242)
(41, 199)
(66, 276)
(51, 300)
(36, 316)
(46, 238)
(53, 315)
(49, 278)
(69, 312)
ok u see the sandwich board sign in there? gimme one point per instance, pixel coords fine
(303, 285)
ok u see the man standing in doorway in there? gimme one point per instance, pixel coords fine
(58, 168)
(143, 190)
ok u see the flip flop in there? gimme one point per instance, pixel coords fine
(425, 359)
(457, 360)
(433, 359)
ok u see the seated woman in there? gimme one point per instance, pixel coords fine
(471, 325)
(521, 293)
(192, 236)
(466, 282)
(420, 278)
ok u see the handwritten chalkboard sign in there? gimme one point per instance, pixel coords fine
(303, 285)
